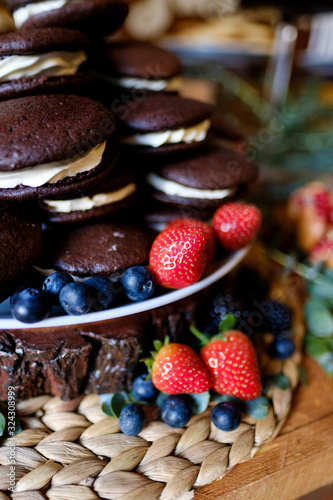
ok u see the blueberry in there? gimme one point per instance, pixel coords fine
(282, 348)
(176, 410)
(30, 305)
(54, 283)
(144, 390)
(131, 419)
(75, 298)
(138, 282)
(226, 416)
(102, 290)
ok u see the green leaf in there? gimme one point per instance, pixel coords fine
(315, 346)
(302, 375)
(319, 318)
(225, 398)
(158, 344)
(112, 404)
(117, 403)
(227, 323)
(322, 291)
(199, 402)
(2, 424)
(280, 381)
(326, 362)
(257, 408)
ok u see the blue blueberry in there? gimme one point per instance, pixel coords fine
(176, 410)
(226, 416)
(102, 290)
(282, 348)
(144, 390)
(131, 419)
(75, 299)
(138, 282)
(55, 282)
(30, 305)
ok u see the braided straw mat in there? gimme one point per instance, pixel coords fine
(71, 450)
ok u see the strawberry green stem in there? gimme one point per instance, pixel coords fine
(199, 335)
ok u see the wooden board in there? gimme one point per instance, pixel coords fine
(298, 461)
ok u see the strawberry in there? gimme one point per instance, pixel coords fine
(232, 364)
(236, 225)
(309, 208)
(323, 251)
(178, 257)
(177, 369)
(313, 194)
(187, 222)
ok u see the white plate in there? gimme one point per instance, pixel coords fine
(217, 271)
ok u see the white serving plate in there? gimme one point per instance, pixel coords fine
(215, 272)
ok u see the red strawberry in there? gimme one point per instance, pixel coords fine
(186, 222)
(236, 225)
(313, 195)
(310, 207)
(323, 251)
(177, 369)
(178, 257)
(231, 361)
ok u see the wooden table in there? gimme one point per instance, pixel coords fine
(298, 461)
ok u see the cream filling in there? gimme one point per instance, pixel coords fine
(174, 189)
(197, 133)
(87, 202)
(171, 85)
(22, 14)
(49, 64)
(53, 172)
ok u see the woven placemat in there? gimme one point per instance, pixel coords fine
(71, 450)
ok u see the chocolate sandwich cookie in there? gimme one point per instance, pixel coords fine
(97, 18)
(115, 193)
(42, 61)
(20, 244)
(100, 249)
(158, 215)
(138, 65)
(52, 146)
(162, 124)
(203, 181)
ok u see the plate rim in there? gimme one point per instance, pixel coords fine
(222, 268)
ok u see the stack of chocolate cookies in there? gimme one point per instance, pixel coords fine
(96, 143)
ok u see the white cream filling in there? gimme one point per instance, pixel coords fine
(49, 64)
(22, 14)
(87, 202)
(53, 172)
(197, 133)
(174, 189)
(172, 85)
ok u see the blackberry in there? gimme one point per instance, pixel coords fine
(276, 316)
(220, 307)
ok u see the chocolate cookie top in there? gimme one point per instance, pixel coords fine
(136, 59)
(213, 169)
(64, 125)
(97, 18)
(42, 40)
(161, 112)
(20, 244)
(97, 249)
